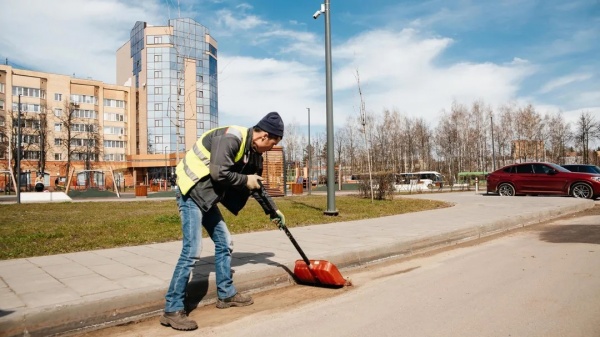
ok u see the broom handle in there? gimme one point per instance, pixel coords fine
(273, 212)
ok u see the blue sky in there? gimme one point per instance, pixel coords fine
(412, 56)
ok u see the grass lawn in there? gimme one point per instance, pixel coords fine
(40, 229)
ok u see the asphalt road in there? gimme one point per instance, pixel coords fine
(542, 280)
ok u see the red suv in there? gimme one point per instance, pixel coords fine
(542, 178)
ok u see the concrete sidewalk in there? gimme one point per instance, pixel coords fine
(49, 295)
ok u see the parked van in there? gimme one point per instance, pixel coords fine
(418, 180)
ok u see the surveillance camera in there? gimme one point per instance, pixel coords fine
(316, 15)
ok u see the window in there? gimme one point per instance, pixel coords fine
(114, 143)
(199, 78)
(1, 104)
(1, 88)
(58, 97)
(58, 156)
(89, 114)
(198, 63)
(157, 58)
(83, 128)
(114, 117)
(158, 122)
(31, 155)
(158, 106)
(199, 109)
(83, 142)
(57, 112)
(158, 139)
(157, 74)
(157, 39)
(524, 168)
(199, 94)
(84, 99)
(29, 92)
(57, 142)
(541, 169)
(2, 123)
(115, 103)
(30, 139)
(113, 130)
(158, 90)
(200, 125)
(26, 107)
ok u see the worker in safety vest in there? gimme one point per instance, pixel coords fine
(224, 165)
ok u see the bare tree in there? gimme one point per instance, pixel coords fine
(351, 143)
(65, 135)
(292, 143)
(587, 130)
(4, 137)
(558, 136)
(42, 131)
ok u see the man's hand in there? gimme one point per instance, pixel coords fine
(252, 182)
(278, 219)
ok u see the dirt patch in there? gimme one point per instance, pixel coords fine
(572, 234)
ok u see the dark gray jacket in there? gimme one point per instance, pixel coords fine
(227, 180)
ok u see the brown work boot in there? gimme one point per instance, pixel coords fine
(178, 320)
(237, 300)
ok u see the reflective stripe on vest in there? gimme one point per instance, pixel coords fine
(195, 164)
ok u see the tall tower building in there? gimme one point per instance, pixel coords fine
(173, 71)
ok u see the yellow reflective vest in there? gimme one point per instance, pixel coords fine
(195, 164)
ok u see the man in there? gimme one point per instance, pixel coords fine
(224, 165)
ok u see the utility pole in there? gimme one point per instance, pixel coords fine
(166, 168)
(309, 156)
(493, 149)
(19, 153)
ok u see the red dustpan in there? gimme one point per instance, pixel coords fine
(319, 272)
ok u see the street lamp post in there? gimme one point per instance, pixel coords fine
(166, 168)
(493, 149)
(19, 153)
(331, 210)
(309, 182)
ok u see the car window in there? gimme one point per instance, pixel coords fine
(526, 168)
(510, 169)
(541, 169)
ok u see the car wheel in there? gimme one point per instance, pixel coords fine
(581, 190)
(506, 190)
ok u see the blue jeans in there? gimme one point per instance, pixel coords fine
(191, 220)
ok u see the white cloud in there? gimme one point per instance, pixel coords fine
(562, 81)
(71, 37)
(250, 87)
(230, 22)
(399, 70)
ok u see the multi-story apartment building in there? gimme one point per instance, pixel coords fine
(165, 99)
(67, 124)
(173, 71)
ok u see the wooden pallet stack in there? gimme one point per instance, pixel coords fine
(273, 172)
